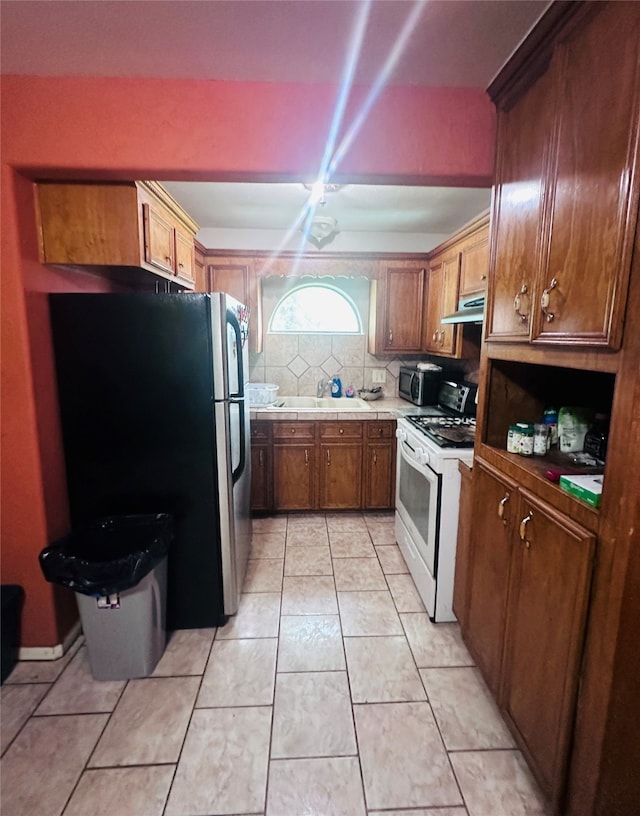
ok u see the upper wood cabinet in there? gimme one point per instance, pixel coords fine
(566, 200)
(120, 226)
(440, 338)
(396, 312)
(474, 263)
(230, 275)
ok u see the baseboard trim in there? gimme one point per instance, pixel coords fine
(50, 652)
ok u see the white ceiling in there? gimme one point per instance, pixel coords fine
(453, 43)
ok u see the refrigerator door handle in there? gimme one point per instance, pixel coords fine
(237, 473)
(232, 320)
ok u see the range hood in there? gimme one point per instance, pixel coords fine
(470, 310)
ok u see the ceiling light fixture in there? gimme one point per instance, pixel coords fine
(320, 230)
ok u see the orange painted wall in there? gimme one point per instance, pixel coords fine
(152, 128)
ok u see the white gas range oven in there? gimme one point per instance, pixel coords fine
(431, 442)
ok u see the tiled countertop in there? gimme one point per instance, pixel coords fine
(385, 408)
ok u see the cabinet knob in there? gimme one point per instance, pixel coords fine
(523, 528)
(341, 430)
(293, 430)
(544, 300)
(483, 277)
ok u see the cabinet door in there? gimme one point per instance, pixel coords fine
(449, 333)
(340, 476)
(593, 210)
(159, 240)
(463, 552)
(260, 478)
(402, 305)
(379, 465)
(442, 298)
(230, 277)
(549, 588)
(293, 480)
(294, 465)
(522, 139)
(492, 522)
(474, 266)
(431, 342)
(185, 257)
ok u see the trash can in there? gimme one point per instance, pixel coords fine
(117, 567)
(11, 599)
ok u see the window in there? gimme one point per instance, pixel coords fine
(316, 307)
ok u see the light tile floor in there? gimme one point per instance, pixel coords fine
(329, 694)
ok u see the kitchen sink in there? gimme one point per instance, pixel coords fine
(320, 404)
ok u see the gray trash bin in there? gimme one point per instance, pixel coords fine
(126, 631)
(117, 567)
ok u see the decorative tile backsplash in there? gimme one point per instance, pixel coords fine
(297, 362)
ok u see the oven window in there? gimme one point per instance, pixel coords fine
(416, 497)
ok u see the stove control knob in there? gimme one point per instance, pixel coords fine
(401, 435)
(422, 456)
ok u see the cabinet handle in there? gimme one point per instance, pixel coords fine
(544, 300)
(261, 458)
(180, 264)
(435, 336)
(483, 277)
(328, 457)
(441, 343)
(391, 335)
(375, 456)
(501, 505)
(306, 457)
(516, 303)
(523, 528)
(167, 258)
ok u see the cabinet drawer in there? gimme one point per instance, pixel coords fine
(293, 431)
(340, 430)
(380, 430)
(260, 431)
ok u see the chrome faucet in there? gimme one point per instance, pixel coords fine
(323, 386)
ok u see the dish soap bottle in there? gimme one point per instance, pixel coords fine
(336, 386)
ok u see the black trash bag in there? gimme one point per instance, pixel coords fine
(110, 555)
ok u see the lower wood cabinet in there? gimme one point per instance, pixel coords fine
(462, 574)
(326, 465)
(340, 471)
(294, 465)
(261, 467)
(530, 577)
(379, 463)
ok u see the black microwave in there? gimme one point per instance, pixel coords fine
(419, 387)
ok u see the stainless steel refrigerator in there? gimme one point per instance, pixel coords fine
(154, 419)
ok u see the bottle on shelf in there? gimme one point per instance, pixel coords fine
(595, 440)
(550, 419)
